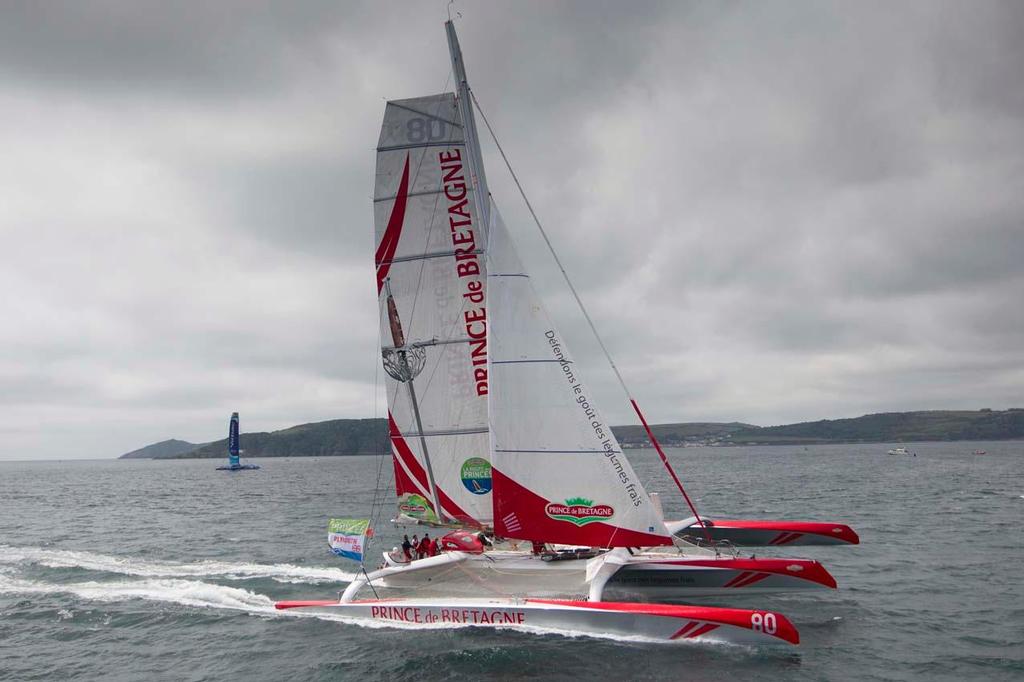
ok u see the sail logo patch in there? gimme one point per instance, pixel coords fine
(476, 475)
(579, 511)
(417, 507)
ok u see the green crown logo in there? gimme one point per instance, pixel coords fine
(579, 501)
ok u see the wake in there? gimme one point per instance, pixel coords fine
(134, 566)
(184, 592)
(189, 593)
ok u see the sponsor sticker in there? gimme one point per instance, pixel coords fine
(476, 475)
(417, 507)
(579, 511)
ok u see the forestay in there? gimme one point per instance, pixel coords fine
(431, 281)
(559, 472)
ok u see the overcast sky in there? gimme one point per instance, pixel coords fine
(776, 211)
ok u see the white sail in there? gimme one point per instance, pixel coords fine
(559, 473)
(431, 281)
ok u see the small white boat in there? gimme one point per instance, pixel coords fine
(899, 451)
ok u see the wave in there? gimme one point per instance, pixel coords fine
(198, 594)
(282, 573)
(192, 593)
(185, 592)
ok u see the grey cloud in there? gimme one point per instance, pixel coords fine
(188, 47)
(775, 211)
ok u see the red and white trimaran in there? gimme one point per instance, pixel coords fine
(495, 434)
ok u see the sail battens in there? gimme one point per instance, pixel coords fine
(563, 452)
(559, 472)
(497, 425)
(431, 342)
(529, 361)
(444, 432)
(433, 312)
(419, 145)
(399, 105)
(421, 193)
(428, 256)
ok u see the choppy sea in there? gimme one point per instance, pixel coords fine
(129, 570)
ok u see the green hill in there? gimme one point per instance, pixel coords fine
(369, 436)
(165, 448)
(321, 439)
(677, 434)
(895, 427)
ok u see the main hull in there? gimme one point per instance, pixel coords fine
(659, 622)
(643, 576)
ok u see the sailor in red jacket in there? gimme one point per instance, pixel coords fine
(423, 550)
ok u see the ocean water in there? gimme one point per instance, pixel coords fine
(126, 570)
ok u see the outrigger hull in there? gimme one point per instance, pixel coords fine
(756, 533)
(689, 577)
(660, 622)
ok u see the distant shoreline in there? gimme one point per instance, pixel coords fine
(348, 437)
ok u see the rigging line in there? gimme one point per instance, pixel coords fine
(590, 322)
(377, 506)
(369, 582)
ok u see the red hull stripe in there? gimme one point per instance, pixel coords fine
(702, 630)
(808, 570)
(722, 616)
(836, 531)
(756, 578)
(683, 630)
(785, 538)
(740, 578)
(409, 459)
(387, 246)
(510, 498)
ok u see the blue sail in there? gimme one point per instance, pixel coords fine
(233, 451)
(233, 440)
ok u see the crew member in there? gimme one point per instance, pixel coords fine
(407, 548)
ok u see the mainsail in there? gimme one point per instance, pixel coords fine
(233, 440)
(431, 281)
(559, 472)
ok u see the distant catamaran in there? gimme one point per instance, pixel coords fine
(234, 464)
(495, 434)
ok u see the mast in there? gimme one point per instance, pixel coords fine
(481, 194)
(408, 373)
(476, 162)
